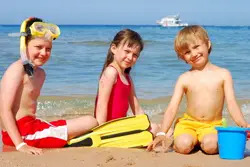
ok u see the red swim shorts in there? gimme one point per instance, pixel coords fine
(39, 133)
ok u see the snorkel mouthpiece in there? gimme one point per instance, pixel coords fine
(28, 68)
(37, 29)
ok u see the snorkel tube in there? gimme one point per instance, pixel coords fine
(28, 67)
(36, 29)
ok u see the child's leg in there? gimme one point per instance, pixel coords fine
(185, 137)
(184, 143)
(81, 125)
(209, 144)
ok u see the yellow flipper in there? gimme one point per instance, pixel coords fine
(140, 139)
(112, 129)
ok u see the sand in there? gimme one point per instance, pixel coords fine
(114, 157)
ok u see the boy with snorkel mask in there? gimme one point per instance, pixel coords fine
(20, 88)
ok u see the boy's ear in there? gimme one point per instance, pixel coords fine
(209, 44)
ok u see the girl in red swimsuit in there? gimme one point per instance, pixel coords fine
(116, 91)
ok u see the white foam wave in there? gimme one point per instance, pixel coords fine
(63, 107)
(14, 34)
(245, 108)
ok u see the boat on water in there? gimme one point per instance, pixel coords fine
(171, 21)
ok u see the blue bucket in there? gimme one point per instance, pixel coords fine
(232, 142)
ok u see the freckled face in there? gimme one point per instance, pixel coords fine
(39, 51)
(197, 53)
(125, 56)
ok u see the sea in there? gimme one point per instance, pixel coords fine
(79, 53)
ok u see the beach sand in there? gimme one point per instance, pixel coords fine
(113, 157)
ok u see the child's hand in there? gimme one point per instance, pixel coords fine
(159, 140)
(31, 150)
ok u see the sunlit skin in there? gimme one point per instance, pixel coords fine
(124, 57)
(205, 86)
(19, 94)
(39, 51)
(25, 101)
(197, 54)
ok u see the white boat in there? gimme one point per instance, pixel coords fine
(171, 21)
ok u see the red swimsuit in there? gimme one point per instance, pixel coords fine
(119, 99)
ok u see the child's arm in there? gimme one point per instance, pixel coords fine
(11, 82)
(173, 106)
(232, 105)
(133, 101)
(106, 83)
(170, 113)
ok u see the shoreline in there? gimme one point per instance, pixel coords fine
(113, 157)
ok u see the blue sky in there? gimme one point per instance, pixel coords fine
(210, 12)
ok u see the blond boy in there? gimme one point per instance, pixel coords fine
(206, 87)
(18, 99)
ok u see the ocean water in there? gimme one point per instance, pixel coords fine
(79, 53)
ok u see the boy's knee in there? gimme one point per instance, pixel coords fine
(209, 144)
(184, 145)
(89, 120)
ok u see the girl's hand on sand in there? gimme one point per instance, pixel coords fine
(31, 150)
(159, 140)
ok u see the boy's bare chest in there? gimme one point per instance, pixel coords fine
(32, 86)
(206, 83)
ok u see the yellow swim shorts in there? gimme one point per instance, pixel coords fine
(189, 125)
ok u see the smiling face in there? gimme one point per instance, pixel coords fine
(125, 56)
(39, 51)
(192, 44)
(196, 54)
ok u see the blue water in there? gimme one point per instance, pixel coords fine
(79, 53)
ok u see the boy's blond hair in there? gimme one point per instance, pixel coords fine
(189, 35)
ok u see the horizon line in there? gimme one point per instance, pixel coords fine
(131, 25)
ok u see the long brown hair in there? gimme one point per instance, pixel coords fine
(125, 36)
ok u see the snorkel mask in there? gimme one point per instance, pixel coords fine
(37, 29)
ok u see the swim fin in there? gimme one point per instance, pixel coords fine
(139, 139)
(122, 131)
